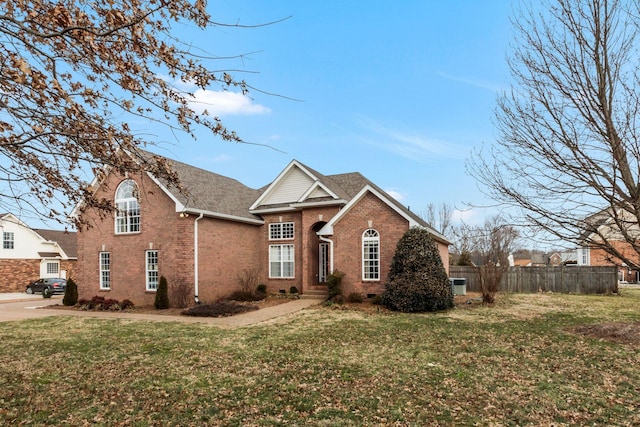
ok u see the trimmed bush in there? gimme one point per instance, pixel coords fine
(293, 290)
(219, 309)
(162, 295)
(334, 284)
(417, 279)
(261, 289)
(70, 293)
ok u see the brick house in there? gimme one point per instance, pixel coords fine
(27, 254)
(293, 232)
(603, 229)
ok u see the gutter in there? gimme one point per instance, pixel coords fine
(195, 256)
(330, 242)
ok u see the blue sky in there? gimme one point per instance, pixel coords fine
(399, 91)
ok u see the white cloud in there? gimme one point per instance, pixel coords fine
(413, 146)
(395, 194)
(219, 103)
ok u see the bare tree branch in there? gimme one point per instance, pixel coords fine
(568, 151)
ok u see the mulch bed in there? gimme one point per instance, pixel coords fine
(619, 332)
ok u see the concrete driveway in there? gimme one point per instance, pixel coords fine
(24, 306)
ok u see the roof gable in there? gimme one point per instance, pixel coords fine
(413, 220)
(297, 183)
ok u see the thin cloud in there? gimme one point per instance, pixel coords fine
(482, 84)
(220, 103)
(414, 146)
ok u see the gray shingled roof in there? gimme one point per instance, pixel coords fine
(67, 240)
(208, 191)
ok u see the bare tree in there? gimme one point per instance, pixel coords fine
(568, 152)
(488, 246)
(439, 216)
(73, 76)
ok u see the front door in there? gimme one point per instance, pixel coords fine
(323, 262)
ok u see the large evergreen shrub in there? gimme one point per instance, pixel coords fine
(70, 293)
(162, 295)
(417, 279)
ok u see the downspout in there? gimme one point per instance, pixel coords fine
(330, 242)
(195, 256)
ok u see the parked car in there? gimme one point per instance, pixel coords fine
(56, 285)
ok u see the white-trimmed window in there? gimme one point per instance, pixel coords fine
(7, 240)
(127, 208)
(370, 255)
(281, 261)
(105, 270)
(281, 231)
(152, 270)
(53, 268)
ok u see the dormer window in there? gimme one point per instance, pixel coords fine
(127, 208)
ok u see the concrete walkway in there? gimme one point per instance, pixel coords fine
(24, 306)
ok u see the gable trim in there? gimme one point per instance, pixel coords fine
(327, 230)
(280, 177)
(314, 187)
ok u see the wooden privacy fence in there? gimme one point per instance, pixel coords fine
(577, 280)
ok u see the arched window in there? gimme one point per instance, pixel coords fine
(370, 255)
(127, 208)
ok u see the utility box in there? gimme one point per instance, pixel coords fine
(458, 286)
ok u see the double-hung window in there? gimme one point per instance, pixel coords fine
(105, 270)
(281, 261)
(282, 256)
(370, 255)
(7, 240)
(152, 270)
(127, 208)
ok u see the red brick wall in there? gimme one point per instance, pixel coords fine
(162, 229)
(276, 285)
(17, 273)
(225, 249)
(599, 257)
(310, 241)
(347, 240)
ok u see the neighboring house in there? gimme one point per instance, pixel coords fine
(613, 229)
(565, 258)
(27, 254)
(292, 232)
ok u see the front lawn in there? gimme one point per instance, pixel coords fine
(529, 360)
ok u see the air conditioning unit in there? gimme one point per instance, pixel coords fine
(458, 286)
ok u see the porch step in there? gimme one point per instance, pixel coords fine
(315, 294)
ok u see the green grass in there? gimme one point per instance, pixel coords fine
(517, 363)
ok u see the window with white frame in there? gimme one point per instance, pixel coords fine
(105, 270)
(53, 267)
(370, 255)
(281, 231)
(281, 261)
(127, 208)
(152, 270)
(7, 240)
